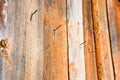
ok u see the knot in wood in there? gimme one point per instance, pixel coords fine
(3, 43)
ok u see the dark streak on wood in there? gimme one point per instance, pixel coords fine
(32, 14)
(57, 28)
(54, 30)
(82, 43)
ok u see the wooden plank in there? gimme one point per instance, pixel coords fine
(26, 40)
(103, 53)
(55, 40)
(75, 40)
(114, 26)
(40, 42)
(34, 39)
(90, 60)
(15, 45)
(3, 12)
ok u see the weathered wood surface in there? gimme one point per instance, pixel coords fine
(34, 40)
(55, 40)
(62, 40)
(114, 26)
(90, 59)
(102, 41)
(26, 40)
(75, 40)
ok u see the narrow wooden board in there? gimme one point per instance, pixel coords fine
(75, 40)
(34, 21)
(114, 26)
(16, 54)
(90, 60)
(103, 53)
(55, 40)
(40, 61)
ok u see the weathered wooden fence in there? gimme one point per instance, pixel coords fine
(61, 40)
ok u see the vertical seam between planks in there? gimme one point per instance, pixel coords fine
(110, 38)
(67, 41)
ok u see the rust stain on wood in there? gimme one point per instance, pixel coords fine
(98, 55)
(53, 17)
(117, 17)
(55, 58)
(3, 12)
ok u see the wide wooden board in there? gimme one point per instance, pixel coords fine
(55, 40)
(26, 40)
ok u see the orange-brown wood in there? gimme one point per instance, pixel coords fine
(114, 26)
(62, 40)
(55, 40)
(90, 60)
(102, 42)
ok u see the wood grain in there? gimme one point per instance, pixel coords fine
(114, 26)
(33, 51)
(55, 40)
(26, 40)
(90, 59)
(75, 40)
(62, 40)
(103, 53)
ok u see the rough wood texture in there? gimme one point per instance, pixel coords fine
(26, 40)
(61, 40)
(91, 71)
(75, 40)
(114, 26)
(55, 40)
(103, 53)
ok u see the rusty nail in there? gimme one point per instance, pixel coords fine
(57, 28)
(82, 43)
